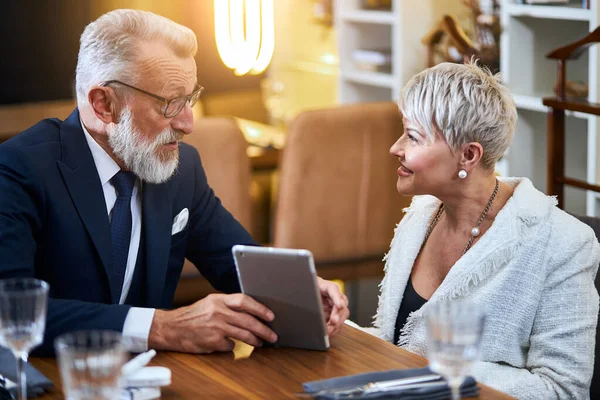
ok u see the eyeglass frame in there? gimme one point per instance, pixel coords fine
(198, 90)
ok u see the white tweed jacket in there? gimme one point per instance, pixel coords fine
(532, 273)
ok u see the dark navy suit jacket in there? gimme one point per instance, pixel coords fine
(54, 226)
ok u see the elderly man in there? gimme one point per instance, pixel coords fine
(106, 205)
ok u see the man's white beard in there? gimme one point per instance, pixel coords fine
(139, 156)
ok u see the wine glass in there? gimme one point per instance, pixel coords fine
(23, 303)
(454, 331)
(90, 364)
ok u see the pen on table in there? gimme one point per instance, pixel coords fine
(138, 362)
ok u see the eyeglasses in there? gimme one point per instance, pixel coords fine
(171, 107)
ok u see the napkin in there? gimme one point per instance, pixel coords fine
(36, 382)
(468, 388)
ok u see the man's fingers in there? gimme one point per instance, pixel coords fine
(248, 323)
(243, 303)
(343, 317)
(243, 335)
(336, 321)
(332, 291)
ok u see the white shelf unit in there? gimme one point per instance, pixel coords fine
(570, 11)
(529, 33)
(399, 30)
(367, 16)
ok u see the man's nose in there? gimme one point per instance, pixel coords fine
(184, 121)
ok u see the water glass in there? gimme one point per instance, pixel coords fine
(454, 331)
(90, 364)
(23, 304)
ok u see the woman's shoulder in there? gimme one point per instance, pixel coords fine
(573, 229)
(536, 208)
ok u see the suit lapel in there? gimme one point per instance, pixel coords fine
(156, 224)
(83, 183)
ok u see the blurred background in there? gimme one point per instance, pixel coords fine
(324, 55)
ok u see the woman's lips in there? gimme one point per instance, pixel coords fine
(403, 171)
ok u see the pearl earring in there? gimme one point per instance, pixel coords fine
(462, 174)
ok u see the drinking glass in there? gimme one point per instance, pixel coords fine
(23, 303)
(454, 331)
(90, 364)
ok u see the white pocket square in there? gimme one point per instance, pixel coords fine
(180, 221)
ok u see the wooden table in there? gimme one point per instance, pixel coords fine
(271, 373)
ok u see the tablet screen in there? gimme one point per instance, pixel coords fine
(285, 281)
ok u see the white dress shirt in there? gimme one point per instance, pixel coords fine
(139, 320)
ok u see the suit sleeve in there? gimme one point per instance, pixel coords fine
(213, 232)
(22, 210)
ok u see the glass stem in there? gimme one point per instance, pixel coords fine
(22, 386)
(455, 390)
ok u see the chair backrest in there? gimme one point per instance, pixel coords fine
(222, 149)
(594, 223)
(572, 51)
(337, 194)
(18, 117)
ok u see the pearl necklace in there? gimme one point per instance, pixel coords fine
(475, 231)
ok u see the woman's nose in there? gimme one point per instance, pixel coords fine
(396, 149)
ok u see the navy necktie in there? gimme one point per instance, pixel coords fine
(120, 227)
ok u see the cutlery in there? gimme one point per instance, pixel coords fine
(374, 387)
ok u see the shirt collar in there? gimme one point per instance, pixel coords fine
(106, 166)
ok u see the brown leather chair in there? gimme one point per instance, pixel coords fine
(337, 194)
(222, 149)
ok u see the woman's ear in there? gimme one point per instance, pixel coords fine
(471, 156)
(103, 102)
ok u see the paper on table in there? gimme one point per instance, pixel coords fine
(241, 350)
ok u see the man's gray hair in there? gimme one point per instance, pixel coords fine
(462, 103)
(109, 47)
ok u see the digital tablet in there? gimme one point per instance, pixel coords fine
(285, 281)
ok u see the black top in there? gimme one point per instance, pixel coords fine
(410, 302)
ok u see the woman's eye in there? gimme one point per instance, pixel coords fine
(412, 138)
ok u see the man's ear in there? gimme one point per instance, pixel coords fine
(471, 156)
(104, 103)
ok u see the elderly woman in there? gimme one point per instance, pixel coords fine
(499, 243)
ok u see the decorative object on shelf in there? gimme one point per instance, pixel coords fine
(373, 60)
(245, 34)
(377, 4)
(573, 89)
(448, 41)
(322, 11)
(557, 179)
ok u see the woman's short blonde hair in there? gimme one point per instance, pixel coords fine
(462, 103)
(108, 46)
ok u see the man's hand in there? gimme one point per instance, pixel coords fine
(209, 325)
(335, 306)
